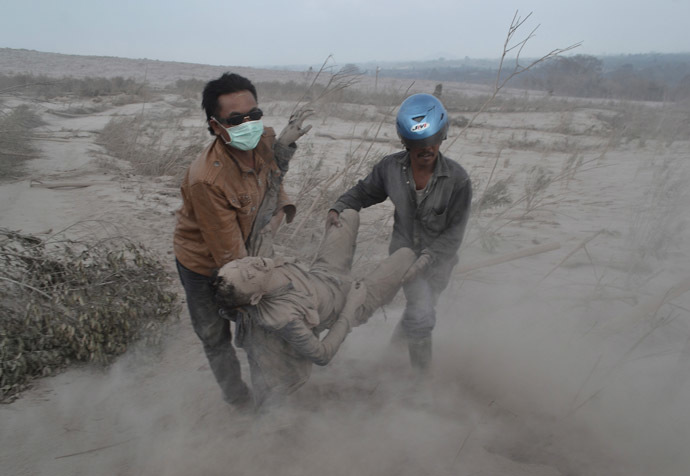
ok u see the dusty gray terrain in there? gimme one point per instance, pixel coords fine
(567, 362)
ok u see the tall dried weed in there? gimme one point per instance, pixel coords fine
(153, 147)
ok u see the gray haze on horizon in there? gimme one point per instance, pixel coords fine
(305, 32)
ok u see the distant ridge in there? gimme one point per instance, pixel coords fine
(159, 73)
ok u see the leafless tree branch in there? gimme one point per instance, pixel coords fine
(508, 46)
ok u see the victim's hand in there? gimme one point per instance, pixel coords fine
(333, 219)
(294, 130)
(418, 267)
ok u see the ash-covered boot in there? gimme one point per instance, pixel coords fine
(398, 338)
(420, 353)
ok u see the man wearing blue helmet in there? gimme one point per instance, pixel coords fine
(432, 196)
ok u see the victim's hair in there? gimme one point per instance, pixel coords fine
(227, 295)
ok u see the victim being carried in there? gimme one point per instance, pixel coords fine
(285, 306)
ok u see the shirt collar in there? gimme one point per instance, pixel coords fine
(440, 170)
(226, 151)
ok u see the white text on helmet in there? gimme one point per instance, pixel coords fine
(419, 127)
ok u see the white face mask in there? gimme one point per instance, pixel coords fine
(245, 136)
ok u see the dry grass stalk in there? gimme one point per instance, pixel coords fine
(144, 144)
(533, 198)
(580, 246)
(649, 309)
(535, 250)
(335, 83)
(509, 46)
(320, 192)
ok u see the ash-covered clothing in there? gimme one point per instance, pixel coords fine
(220, 201)
(309, 296)
(433, 223)
(439, 219)
(281, 333)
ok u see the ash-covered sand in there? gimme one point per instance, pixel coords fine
(570, 362)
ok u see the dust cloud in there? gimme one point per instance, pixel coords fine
(523, 383)
(568, 362)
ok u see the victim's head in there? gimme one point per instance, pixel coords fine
(243, 281)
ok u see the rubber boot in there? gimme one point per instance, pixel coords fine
(398, 338)
(420, 353)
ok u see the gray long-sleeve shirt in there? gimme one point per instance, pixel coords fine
(435, 225)
(307, 344)
(279, 333)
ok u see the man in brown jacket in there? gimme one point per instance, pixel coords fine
(221, 195)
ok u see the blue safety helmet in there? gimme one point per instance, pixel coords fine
(422, 121)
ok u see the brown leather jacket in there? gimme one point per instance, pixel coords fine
(220, 200)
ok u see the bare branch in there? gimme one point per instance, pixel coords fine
(26, 286)
(509, 46)
(338, 81)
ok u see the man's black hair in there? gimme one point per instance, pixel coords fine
(226, 84)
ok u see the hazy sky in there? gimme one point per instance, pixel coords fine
(273, 32)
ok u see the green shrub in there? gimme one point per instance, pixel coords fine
(71, 301)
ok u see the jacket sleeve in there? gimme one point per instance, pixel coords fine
(368, 191)
(218, 223)
(448, 242)
(307, 344)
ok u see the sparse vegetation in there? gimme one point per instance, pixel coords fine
(320, 187)
(48, 88)
(659, 225)
(538, 180)
(636, 121)
(152, 147)
(66, 301)
(496, 195)
(188, 88)
(642, 77)
(17, 133)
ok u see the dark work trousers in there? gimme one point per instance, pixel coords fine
(215, 335)
(422, 293)
(419, 317)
